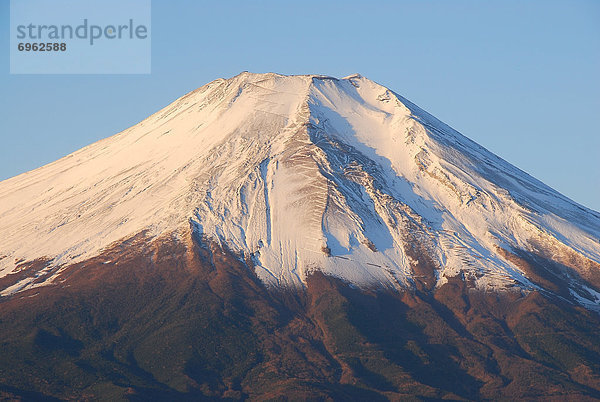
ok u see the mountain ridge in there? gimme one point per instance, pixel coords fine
(268, 237)
(303, 173)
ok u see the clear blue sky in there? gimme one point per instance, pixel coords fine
(520, 78)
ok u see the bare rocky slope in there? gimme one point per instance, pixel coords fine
(156, 320)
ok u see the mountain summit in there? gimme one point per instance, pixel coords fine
(271, 237)
(297, 174)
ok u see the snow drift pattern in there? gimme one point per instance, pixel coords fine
(300, 173)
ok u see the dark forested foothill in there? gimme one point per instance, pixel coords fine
(162, 321)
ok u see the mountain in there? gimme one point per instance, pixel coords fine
(272, 236)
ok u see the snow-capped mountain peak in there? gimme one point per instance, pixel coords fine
(303, 173)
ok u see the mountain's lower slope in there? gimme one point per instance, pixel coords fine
(175, 319)
(298, 174)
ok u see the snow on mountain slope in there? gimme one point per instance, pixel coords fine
(300, 173)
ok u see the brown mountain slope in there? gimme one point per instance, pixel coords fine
(177, 320)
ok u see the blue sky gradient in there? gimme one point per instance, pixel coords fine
(520, 78)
